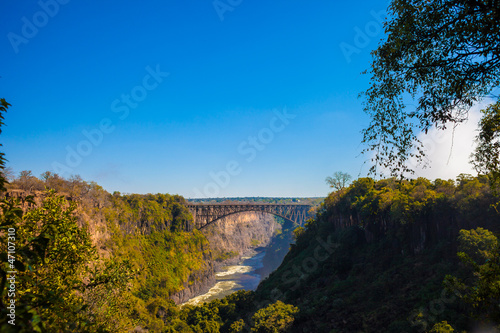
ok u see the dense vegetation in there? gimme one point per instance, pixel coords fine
(105, 260)
(119, 275)
(378, 255)
(351, 269)
(381, 256)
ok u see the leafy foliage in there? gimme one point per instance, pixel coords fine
(486, 158)
(277, 317)
(153, 234)
(388, 235)
(54, 258)
(480, 250)
(444, 54)
(442, 327)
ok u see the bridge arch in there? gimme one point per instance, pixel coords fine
(205, 214)
(243, 211)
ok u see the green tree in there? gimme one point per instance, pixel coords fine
(57, 269)
(479, 245)
(441, 56)
(205, 318)
(339, 180)
(277, 317)
(237, 326)
(442, 327)
(486, 158)
(481, 253)
(52, 259)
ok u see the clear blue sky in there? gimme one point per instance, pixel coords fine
(209, 127)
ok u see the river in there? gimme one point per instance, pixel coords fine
(233, 278)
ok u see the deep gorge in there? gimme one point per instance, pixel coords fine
(230, 238)
(122, 225)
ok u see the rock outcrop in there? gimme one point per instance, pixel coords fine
(234, 235)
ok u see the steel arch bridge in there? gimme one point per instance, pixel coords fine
(205, 214)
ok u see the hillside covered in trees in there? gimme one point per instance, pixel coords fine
(92, 261)
(384, 256)
(379, 256)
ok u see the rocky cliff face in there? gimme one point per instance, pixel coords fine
(232, 236)
(88, 214)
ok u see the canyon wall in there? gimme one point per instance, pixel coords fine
(199, 282)
(230, 238)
